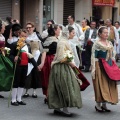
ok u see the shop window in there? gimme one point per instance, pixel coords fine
(48, 11)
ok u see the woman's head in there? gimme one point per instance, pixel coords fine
(2, 27)
(84, 23)
(30, 27)
(54, 30)
(101, 22)
(50, 22)
(103, 33)
(71, 32)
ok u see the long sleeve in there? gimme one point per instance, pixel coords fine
(116, 35)
(79, 31)
(14, 39)
(93, 59)
(13, 51)
(34, 63)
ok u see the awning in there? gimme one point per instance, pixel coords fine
(103, 2)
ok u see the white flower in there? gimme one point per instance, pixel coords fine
(6, 48)
(68, 55)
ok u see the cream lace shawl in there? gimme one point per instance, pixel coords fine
(99, 46)
(49, 40)
(62, 46)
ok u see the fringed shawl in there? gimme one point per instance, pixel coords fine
(99, 46)
(62, 46)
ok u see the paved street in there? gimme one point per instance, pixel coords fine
(37, 110)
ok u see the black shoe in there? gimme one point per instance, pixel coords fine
(26, 95)
(45, 100)
(21, 103)
(106, 110)
(58, 112)
(1, 96)
(98, 110)
(34, 95)
(14, 103)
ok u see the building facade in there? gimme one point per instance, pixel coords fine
(39, 11)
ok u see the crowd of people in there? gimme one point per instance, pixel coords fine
(55, 60)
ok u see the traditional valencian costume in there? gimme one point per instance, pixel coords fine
(21, 69)
(6, 66)
(50, 46)
(105, 89)
(63, 89)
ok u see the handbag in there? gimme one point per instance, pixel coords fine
(112, 71)
(85, 82)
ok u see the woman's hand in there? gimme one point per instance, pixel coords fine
(16, 59)
(41, 66)
(72, 64)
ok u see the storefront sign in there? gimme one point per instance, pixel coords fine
(103, 2)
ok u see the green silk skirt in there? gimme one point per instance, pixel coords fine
(63, 88)
(6, 73)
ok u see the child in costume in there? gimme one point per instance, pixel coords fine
(21, 56)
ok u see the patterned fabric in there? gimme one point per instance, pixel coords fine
(63, 89)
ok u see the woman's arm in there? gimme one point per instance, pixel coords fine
(42, 61)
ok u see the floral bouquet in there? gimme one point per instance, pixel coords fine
(20, 43)
(5, 50)
(68, 56)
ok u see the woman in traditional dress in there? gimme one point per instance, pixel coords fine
(6, 66)
(74, 43)
(33, 79)
(50, 46)
(63, 90)
(104, 88)
(45, 32)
